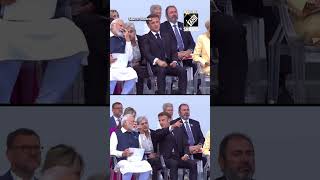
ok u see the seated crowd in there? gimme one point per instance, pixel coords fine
(165, 49)
(179, 143)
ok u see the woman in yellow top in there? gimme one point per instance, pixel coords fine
(306, 19)
(201, 51)
(206, 146)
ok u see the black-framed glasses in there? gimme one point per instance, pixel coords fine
(25, 148)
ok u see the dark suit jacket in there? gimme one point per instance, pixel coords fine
(157, 136)
(196, 131)
(63, 9)
(112, 122)
(8, 176)
(141, 47)
(151, 48)
(174, 140)
(186, 35)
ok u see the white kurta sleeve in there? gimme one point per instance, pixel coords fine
(113, 146)
(129, 51)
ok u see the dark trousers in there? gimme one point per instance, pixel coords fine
(156, 165)
(229, 36)
(189, 63)
(142, 73)
(174, 164)
(179, 71)
(95, 74)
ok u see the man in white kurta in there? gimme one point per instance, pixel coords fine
(120, 143)
(121, 53)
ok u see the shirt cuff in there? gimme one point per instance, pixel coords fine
(170, 128)
(154, 61)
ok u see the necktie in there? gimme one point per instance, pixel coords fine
(189, 133)
(179, 38)
(119, 123)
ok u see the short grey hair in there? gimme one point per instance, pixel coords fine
(125, 118)
(207, 24)
(153, 7)
(141, 118)
(115, 21)
(165, 105)
(130, 25)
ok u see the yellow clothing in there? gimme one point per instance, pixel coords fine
(206, 146)
(306, 26)
(201, 52)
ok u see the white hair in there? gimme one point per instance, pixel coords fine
(140, 118)
(115, 21)
(165, 105)
(153, 7)
(56, 173)
(125, 118)
(130, 25)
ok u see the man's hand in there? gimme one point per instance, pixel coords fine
(187, 53)
(152, 155)
(7, 2)
(181, 54)
(177, 124)
(195, 149)
(126, 35)
(161, 63)
(185, 157)
(173, 64)
(112, 60)
(126, 153)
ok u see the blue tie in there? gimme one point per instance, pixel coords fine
(179, 38)
(189, 133)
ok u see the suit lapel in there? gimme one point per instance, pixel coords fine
(154, 39)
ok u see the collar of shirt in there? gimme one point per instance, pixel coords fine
(123, 130)
(174, 24)
(154, 33)
(185, 120)
(16, 177)
(111, 34)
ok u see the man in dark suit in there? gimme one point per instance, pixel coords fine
(183, 39)
(24, 154)
(236, 157)
(148, 140)
(161, 52)
(192, 131)
(175, 150)
(115, 119)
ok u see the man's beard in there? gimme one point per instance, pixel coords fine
(231, 175)
(119, 33)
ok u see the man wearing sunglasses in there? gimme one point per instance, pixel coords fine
(24, 154)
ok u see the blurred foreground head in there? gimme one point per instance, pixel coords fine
(62, 163)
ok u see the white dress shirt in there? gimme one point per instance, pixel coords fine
(146, 142)
(117, 120)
